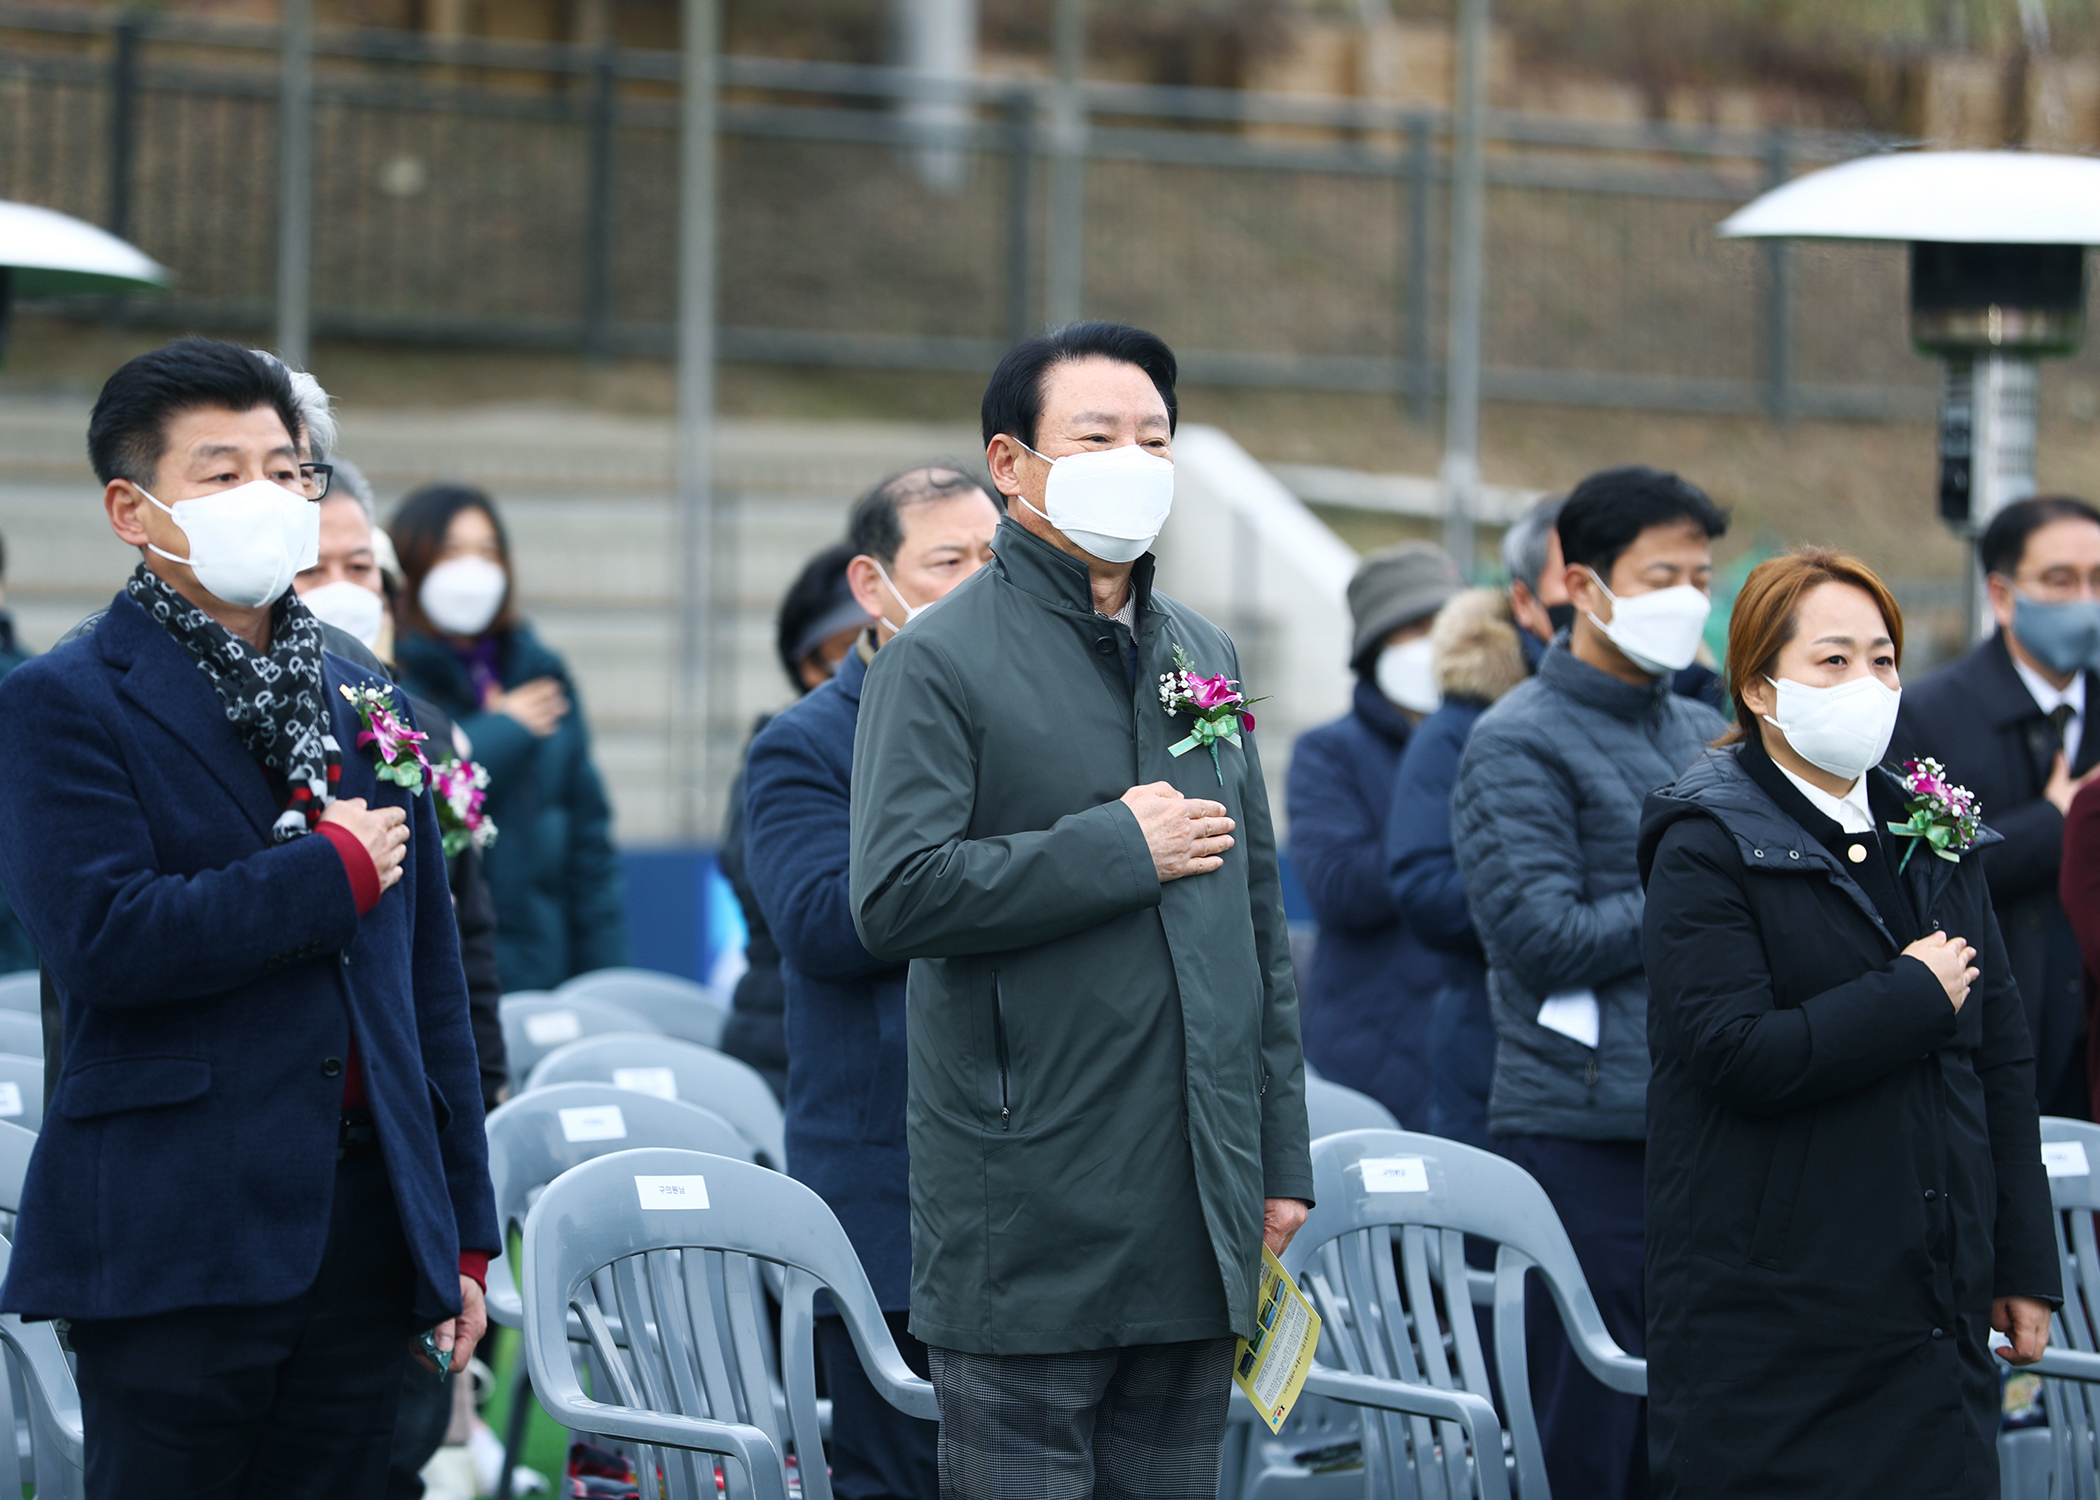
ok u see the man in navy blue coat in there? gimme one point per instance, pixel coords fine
(263, 1175)
(917, 535)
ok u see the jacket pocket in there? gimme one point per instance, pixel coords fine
(126, 1083)
(999, 1055)
(440, 1111)
(1775, 1210)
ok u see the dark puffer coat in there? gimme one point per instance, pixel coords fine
(1544, 817)
(1843, 1170)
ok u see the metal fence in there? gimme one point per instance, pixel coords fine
(500, 193)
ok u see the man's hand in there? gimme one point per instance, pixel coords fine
(2026, 1322)
(2063, 787)
(462, 1333)
(1950, 960)
(382, 830)
(1280, 1218)
(1187, 836)
(540, 705)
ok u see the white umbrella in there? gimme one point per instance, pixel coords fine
(1951, 197)
(50, 253)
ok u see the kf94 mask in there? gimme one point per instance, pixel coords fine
(1112, 502)
(246, 543)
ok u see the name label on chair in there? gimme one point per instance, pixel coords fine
(2059, 1159)
(10, 1100)
(1394, 1174)
(661, 1082)
(550, 1028)
(593, 1122)
(672, 1192)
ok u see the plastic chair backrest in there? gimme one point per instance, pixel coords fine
(1331, 1109)
(664, 1240)
(540, 1134)
(22, 1033)
(2071, 1155)
(16, 1145)
(23, 990)
(56, 1449)
(1380, 1190)
(22, 1091)
(535, 1024)
(676, 1070)
(678, 1006)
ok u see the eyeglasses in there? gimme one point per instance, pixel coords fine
(316, 478)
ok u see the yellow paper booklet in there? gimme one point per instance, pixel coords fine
(1271, 1366)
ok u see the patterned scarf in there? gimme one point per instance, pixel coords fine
(276, 703)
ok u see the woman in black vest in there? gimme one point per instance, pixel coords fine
(1844, 1182)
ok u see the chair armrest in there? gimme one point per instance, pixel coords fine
(2066, 1364)
(1619, 1370)
(746, 1444)
(912, 1396)
(50, 1382)
(1475, 1414)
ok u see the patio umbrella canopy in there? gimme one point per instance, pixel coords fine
(47, 253)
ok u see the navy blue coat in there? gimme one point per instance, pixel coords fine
(211, 983)
(1372, 982)
(845, 1007)
(1976, 717)
(1422, 873)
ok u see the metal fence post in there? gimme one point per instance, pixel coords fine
(1417, 284)
(698, 674)
(1068, 168)
(123, 117)
(598, 206)
(1779, 325)
(295, 185)
(1020, 213)
(1461, 467)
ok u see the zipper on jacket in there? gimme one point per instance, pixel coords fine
(1006, 1115)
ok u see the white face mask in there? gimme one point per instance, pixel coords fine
(1844, 730)
(248, 543)
(463, 595)
(349, 607)
(1406, 674)
(911, 611)
(1112, 503)
(1658, 632)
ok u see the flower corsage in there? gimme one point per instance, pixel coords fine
(461, 785)
(1219, 707)
(1943, 817)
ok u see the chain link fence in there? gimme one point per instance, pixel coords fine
(500, 193)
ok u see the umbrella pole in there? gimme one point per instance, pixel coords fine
(7, 307)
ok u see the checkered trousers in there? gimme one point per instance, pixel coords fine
(1142, 1423)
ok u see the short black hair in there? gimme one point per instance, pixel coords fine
(2003, 545)
(1605, 512)
(876, 525)
(128, 432)
(1013, 401)
(818, 589)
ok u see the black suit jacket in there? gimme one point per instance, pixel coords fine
(1977, 718)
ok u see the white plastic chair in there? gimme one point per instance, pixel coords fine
(664, 1241)
(57, 1450)
(23, 990)
(1331, 1108)
(536, 1024)
(1404, 1345)
(22, 1033)
(2071, 1366)
(22, 1091)
(676, 1070)
(678, 1006)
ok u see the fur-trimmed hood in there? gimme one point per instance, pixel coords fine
(1478, 655)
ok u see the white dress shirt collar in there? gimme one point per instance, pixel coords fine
(2047, 698)
(1850, 812)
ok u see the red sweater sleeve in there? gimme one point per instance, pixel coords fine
(357, 864)
(475, 1263)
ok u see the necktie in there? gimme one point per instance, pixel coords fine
(2060, 720)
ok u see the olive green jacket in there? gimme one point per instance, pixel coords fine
(1106, 1078)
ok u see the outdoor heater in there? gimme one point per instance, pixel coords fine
(1997, 284)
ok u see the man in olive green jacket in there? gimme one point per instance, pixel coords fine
(1107, 1109)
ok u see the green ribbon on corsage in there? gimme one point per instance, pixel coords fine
(1206, 735)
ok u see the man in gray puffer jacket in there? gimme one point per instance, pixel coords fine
(1544, 819)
